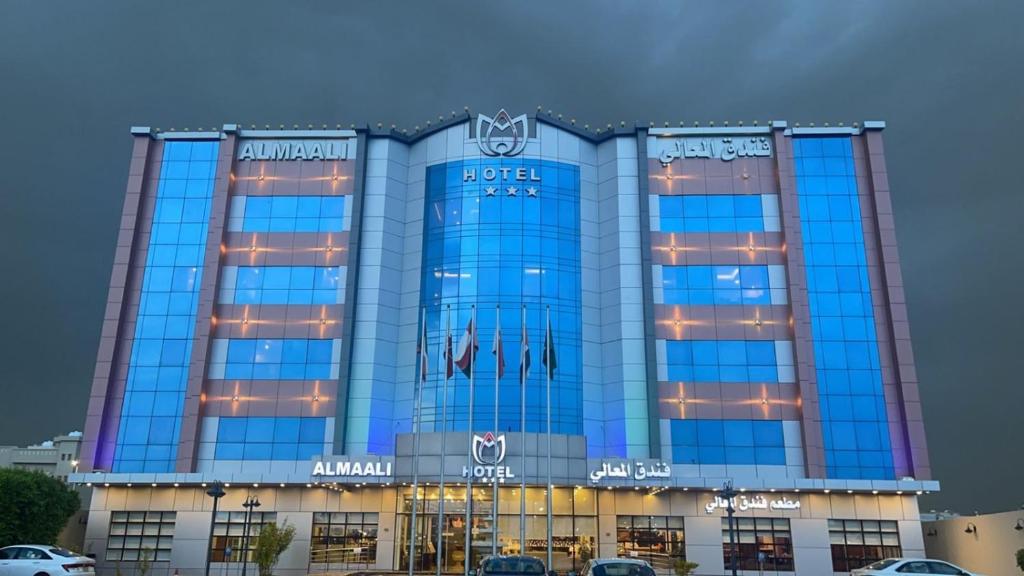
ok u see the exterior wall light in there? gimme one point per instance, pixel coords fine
(932, 532)
(1020, 525)
(971, 528)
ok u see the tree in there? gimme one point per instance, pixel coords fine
(270, 544)
(33, 507)
(1020, 559)
(684, 568)
(144, 564)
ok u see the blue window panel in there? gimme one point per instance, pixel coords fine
(721, 361)
(294, 214)
(854, 419)
(715, 285)
(711, 213)
(718, 442)
(304, 285)
(280, 359)
(147, 437)
(269, 438)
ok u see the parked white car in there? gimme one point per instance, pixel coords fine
(34, 560)
(900, 566)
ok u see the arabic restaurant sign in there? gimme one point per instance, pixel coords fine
(630, 470)
(721, 148)
(296, 149)
(742, 503)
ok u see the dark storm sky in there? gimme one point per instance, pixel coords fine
(945, 75)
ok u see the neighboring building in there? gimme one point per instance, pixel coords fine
(57, 457)
(700, 305)
(984, 543)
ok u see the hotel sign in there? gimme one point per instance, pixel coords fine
(370, 469)
(721, 148)
(296, 149)
(743, 503)
(627, 470)
(488, 453)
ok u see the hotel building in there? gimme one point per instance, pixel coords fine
(698, 305)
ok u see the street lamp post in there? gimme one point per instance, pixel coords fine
(250, 505)
(216, 492)
(730, 495)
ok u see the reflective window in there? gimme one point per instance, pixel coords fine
(274, 359)
(722, 360)
(511, 240)
(301, 285)
(268, 438)
(344, 538)
(659, 540)
(857, 543)
(228, 533)
(133, 534)
(147, 436)
(764, 544)
(287, 214)
(711, 213)
(746, 442)
(854, 421)
(711, 285)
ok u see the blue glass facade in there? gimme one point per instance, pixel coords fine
(288, 213)
(264, 438)
(147, 439)
(711, 213)
(853, 412)
(496, 242)
(734, 442)
(274, 359)
(722, 361)
(716, 285)
(297, 285)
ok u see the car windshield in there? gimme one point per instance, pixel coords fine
(63, 552)
(513, 566)
(622, 569)
(881, 564)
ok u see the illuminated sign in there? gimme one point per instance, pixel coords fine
(721, 148)
(502, 135)
(296, 150)
(743, 503)
(346, 468)
(626, 470)
(489, 453)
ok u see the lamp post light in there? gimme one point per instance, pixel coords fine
(216, 492)
(730, 494)
(250, 504)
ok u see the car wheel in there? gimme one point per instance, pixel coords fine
(41, 574)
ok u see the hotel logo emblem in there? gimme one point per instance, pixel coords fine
(489, 449)
(502, 135)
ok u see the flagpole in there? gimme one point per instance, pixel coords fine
(446, 344)
(498, 357)
(469, 454)
(522, 435)
(547, 372)
(418, 396)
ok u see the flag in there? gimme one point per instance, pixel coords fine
(468, 346)
(421, 351)
(524, 355)
(549, 352)
(449, 360)
(499, 352)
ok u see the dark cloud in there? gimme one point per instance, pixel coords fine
(945, 75)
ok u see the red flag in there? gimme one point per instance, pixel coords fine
(468, 346)
(499, 352)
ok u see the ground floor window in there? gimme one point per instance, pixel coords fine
(573, 533)
(761, 544)
(857, 543)
(229, 532)
(658, 539)
(133, 534)
(344, 538)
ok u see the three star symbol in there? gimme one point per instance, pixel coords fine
(490, 190)
(511, 190)
(531, 191)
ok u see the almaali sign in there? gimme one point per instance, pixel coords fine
(369, 469)
(296, 150)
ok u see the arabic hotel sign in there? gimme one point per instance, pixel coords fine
(627, 470)
(742, 503)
